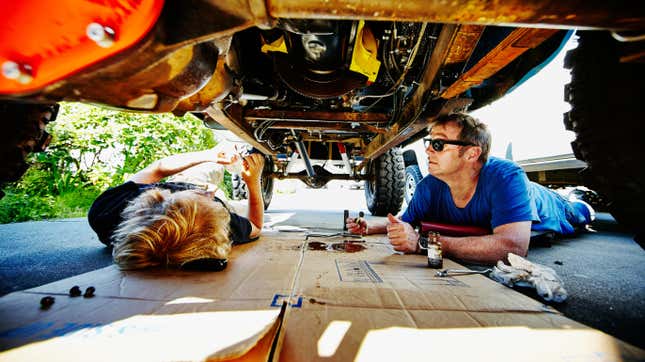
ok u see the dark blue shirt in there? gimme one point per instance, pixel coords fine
(503, 195)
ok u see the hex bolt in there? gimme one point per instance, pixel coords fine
(47, 302)
(89, 292)
(75, 291)
(13, 70)
(103, 36)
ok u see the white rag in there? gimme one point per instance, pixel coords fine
(522, 272)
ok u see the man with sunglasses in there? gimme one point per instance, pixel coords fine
(466, 187)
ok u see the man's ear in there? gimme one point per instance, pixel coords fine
(473, 153)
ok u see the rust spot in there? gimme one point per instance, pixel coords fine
(348, 247)
(316, 245)
(314, 301)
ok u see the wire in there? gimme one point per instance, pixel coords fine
(407, 67)
(626, 39)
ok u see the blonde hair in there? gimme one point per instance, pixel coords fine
(170, 229)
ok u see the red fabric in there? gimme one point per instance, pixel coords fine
(453, 230)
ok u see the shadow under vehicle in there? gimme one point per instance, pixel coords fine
(346, 81)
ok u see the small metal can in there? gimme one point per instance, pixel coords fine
(435, 256)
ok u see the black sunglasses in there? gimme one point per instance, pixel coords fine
(438, 144)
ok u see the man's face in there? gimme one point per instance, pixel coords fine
(448, 161)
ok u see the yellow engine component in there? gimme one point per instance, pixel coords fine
(364, 56)
(277, 46)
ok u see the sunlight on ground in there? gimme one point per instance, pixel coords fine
(175, 337)
(487, 344)
(336, 196)
(331, 338)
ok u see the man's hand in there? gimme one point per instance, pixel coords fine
(402, 235)
(354, 227)
(253, 165)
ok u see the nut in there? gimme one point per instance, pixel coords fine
(17, 72)
(75, 291)
(47, 302)
(103, 36)
(89, 292)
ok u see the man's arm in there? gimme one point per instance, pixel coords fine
(174, 164)
(508, 238)
(363, 227)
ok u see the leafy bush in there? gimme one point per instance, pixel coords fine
(93, 148)
(16, 207)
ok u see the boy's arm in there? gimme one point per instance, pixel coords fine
(253, 166)
(174, 164)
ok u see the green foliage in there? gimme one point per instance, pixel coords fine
(22, 207)
(93, 148)
(227, 185)
(75, 203)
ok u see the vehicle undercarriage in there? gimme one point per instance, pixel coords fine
(344, 82)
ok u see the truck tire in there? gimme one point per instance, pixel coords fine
(239, 188)
(412, 177)
(385, 186)
(267, 181)
(240, 192)
(23, 132)
(608, 120)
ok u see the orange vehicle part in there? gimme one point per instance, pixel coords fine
(42, 41)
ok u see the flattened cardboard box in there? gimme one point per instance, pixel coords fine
(372, 304)
(157, 315)
(378, 305)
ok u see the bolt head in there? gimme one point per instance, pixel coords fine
(96, 32)
(103, 36)
(11, 70)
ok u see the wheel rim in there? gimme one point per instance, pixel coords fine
(410, 186)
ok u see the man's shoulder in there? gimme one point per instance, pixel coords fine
(500, 167)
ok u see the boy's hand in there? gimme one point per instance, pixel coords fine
(253, 165)
(226, 159)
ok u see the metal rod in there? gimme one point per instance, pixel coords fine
(303, 153)
(343, 155)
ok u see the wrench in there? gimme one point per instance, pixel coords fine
(448, 272)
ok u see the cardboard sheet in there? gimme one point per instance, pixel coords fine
(376, 304)
(157, 314)
(282, 298)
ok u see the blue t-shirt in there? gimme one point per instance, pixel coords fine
(503, 195)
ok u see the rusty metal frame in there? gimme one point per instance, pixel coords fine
(619, 14)
(515, 44)
(408, 123)
(320, 116)
(232, 120)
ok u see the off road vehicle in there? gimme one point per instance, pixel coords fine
(347, 81)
